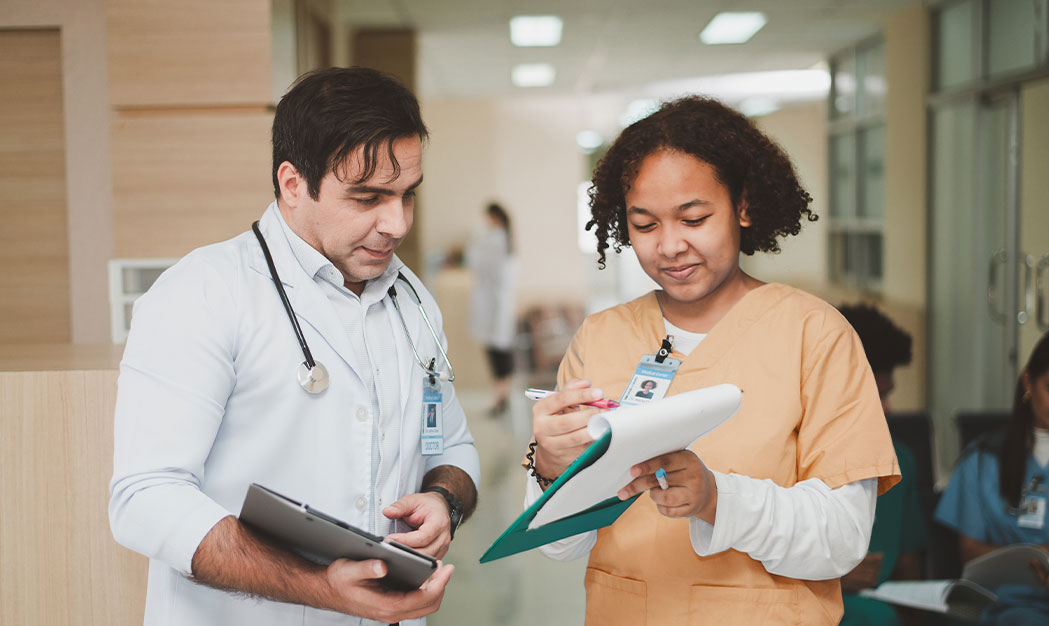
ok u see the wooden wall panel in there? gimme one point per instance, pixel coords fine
(58, 561)
(34, 245)
(392, 50)
(183, 180)
(188, 53)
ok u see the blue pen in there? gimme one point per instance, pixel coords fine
(661, 478)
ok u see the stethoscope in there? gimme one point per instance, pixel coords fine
(312, 375)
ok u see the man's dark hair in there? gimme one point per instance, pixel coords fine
(886, 344)
(751, 166)
(327, 114)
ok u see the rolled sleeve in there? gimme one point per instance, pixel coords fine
(166, 522)
(175, 377)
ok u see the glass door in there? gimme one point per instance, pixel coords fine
(974, 278)
(1034, 216)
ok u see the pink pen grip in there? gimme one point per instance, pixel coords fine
(604, 403)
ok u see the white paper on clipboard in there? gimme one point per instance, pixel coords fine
(639, 433)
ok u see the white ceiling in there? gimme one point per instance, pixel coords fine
(612, 46)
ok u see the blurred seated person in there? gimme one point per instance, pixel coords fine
(899, 535)
(997, 494)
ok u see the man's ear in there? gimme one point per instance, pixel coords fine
(292, 185)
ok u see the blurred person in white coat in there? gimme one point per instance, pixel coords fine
(299, 355)
(493, 316)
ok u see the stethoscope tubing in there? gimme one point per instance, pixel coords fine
(310, 363)
(450, 376)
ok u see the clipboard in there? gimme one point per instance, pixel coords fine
(645, 431)
(322, 539)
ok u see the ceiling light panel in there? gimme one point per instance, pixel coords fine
(732, 27)
(533, 75)
(535, 30)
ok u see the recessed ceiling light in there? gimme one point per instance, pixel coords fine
(638, 110)
(533, 74)
(589, 140)
(732, 27)
(535, 30)
(756, 107)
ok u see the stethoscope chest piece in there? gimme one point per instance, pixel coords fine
(313, 379)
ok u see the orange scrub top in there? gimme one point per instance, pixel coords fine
(810, 410)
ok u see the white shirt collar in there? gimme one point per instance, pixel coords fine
(317, 266)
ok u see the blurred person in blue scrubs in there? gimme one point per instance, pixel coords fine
(212, 396)
(899, 536)
(998, 491)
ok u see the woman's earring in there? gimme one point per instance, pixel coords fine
(1027, 395)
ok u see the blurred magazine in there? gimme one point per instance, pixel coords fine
(968, 596)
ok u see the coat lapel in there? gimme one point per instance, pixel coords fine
(308, 300)
(409, 368)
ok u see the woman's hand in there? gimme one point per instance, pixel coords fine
(559, 425)
(691, 490)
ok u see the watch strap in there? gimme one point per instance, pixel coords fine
(455, 508)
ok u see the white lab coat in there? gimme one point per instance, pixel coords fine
(493, 316)
(209, 402)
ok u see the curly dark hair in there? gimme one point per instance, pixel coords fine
(887, 345)
(753, 168)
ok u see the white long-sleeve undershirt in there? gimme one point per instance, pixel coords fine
(808, 531)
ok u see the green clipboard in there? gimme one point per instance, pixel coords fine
(518, 538)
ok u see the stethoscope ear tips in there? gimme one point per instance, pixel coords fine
(313, 379)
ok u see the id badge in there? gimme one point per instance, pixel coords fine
(432, 418)
(650, 381)
(1032, 512)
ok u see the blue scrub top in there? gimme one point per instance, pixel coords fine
(972, 505)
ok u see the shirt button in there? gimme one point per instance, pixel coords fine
(362, 414)
(362, 503)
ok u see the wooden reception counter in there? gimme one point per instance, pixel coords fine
(59, 563)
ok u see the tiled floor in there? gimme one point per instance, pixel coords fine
(524, 589)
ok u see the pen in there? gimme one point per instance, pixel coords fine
(538, 394)
(661, 478)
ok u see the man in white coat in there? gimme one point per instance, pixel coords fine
(209, 400)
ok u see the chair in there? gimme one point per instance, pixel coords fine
(914, 430)
(972, 424)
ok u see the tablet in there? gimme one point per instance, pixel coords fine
(322, 538)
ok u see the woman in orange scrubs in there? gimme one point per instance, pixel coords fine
(763, 515)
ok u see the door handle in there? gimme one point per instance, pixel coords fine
(1027, 264)
(993, 300)
(1041, 289)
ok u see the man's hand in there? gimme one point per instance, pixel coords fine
(691, 490)
(355, 585)
(427, 513)
(559, 425)
(232, 558)
(864, 575)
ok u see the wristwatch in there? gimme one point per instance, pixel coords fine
(455, 508)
